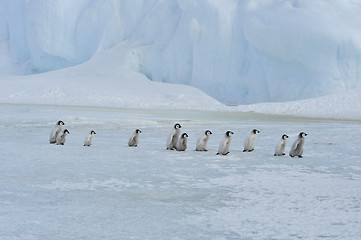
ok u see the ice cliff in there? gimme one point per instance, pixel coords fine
(236, 51)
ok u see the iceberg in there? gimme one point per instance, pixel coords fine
(239, 52)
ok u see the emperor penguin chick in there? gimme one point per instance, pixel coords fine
(225, 144)
(250, 140)
(88, 139)
(297, 146)
(60, 140)
(202, 141)
(281, 145)
(173, 137)
(133, 140)
(182, 142)
(56, 130)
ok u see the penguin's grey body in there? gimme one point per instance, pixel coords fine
(297, 146)
(182, 142)
(133, 140)
(250, 140)
(56, 130)
(281, 145)
(60, 140)
(173, 137)
(225, 144)
(88, 139)
(202, 141)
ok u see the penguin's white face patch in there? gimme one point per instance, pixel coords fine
(229, 133)
(177, 126)
(303, 134)
(208, 132)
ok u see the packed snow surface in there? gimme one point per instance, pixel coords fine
(115, 66)
(112, 191)
(238, 52)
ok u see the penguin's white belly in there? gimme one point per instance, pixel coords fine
(280, 148)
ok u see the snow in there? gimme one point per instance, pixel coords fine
(128, 71)
(109, 80)
(112, 191)
(105, 80)
(345, 105)
(238, 52)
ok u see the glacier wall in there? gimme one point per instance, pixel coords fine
(238, 51)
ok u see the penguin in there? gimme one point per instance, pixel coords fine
(280, 147)
(133, 140)
(60, 140)
(224, 145)
(88, 139)
(56, 130)
(202, 141)
(250, 140)
(173, 137)
(182, 142)
(297, 146)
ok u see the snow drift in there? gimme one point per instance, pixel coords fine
(104, 81)
(236, 51)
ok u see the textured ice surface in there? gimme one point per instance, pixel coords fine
(111, 191)
(238, 52)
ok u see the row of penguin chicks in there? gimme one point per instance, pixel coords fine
(178, 142)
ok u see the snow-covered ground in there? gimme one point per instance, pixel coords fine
(108, 79)
(111, 191)
(345, 105)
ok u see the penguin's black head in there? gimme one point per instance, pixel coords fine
(177, 126)
(255, 131)
(302, 134)
(284, 136)
(92, 132)
(66, 131)
(137, 131)
(184, 135)
(229, 133)
(60, 123)
(208, 132)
